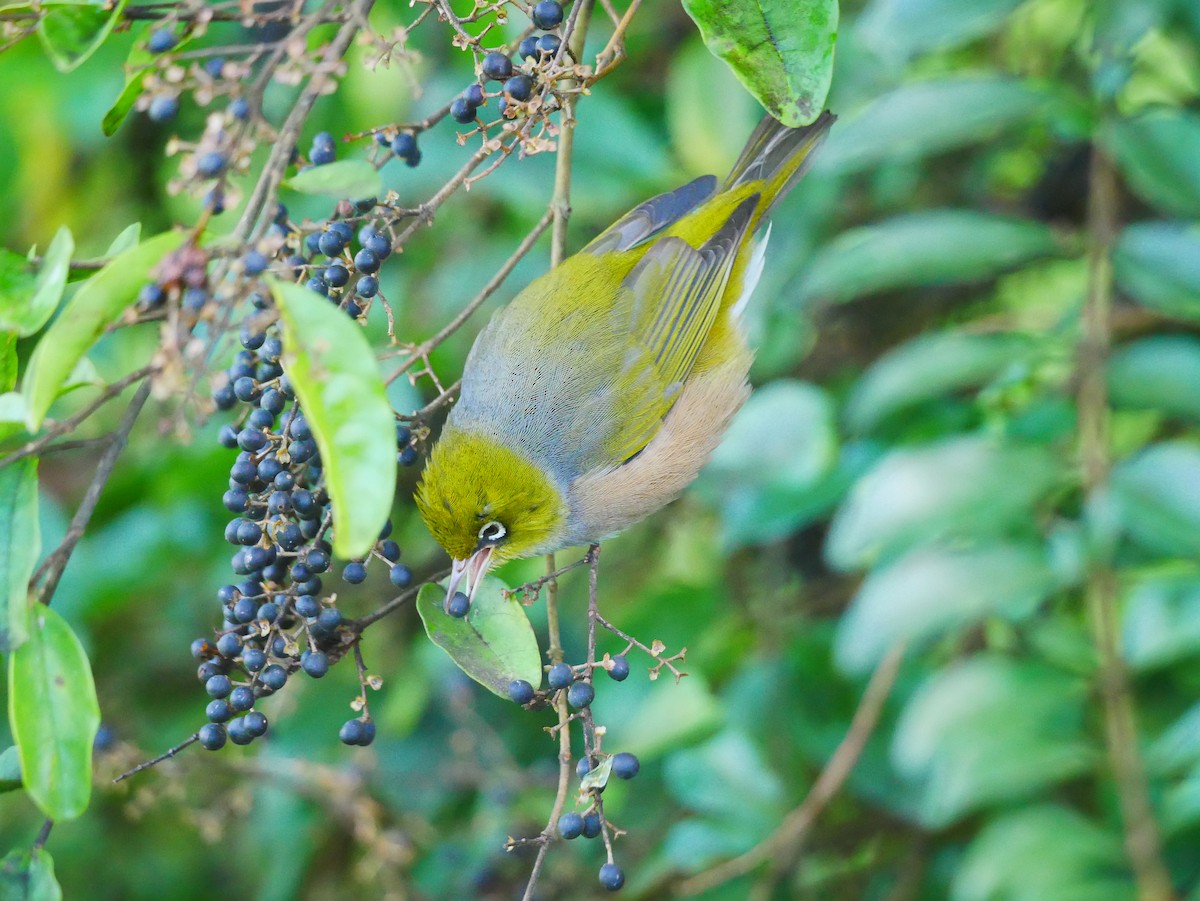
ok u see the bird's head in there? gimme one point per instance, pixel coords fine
(486, 504)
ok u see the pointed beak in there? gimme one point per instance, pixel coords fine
(469, 573)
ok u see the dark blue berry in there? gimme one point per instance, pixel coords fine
(583, 767)
(408, 457)
(318, 285)
(520, 691)
(548, 44)
(255, 724)
(390, 551)
(254, 659)
(218, 687)
(274, 677)
(239, 108)
(354, 573)
(528, 46)
(305, 504)
(620, 669)
(560, 676)
(215, 66)
(212, 736)
(352, 732)
(462, 111)
(343, 230)
(625, 765)
(244, 611)
(249, 533)
(474, 93)
(581, 694)
(315, 663)
(366, 261)
(329, 619)
(235, 500)
(378, 244)
(547, 14)
(279, 502)
(519, 87)
(459, 605)
(210, 164)
(367, 286)
(330, 243)
(413, 159)
(320, 156)
(570, 825)
(229, 645)
(163, 108)
(611, 877)
(241, 698)
(591, 825)
(273, 401)
(151, 296)
(308, 606)
(300, 429)
(238, 734)
(210, 668)
(251, 440)
(400, 575)
(496, 67)
(243, 472)
(284, 481)
(323, 139)
(218, 711)
(317, 560)
(337, 275)
(302, 451)
(268, 468)
(224, 398)
(202, 648)
(161, 40)
(260, 419)
(269, 612)
(255, 263)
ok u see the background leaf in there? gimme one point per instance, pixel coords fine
(781, 50)
(493, 644)
(23, 311)
(54, 715)
(348, 179)
(20, 544)
(28, 877)
(72, 32)
(1158, 264)
(1157, 496)
(899, 29)
(337, 381)
(1159, 155)
(10, 769)
(1157, 373)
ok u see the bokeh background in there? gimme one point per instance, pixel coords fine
(908, 466)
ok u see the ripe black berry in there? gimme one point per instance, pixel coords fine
(330, 243)
(366, 262)
(238, 733)
(367, 286)
(520, 692)
(620, 669)
(228, 645)
(352, 732)
(570, 825)
(241, 698)
(548, 44)
(591, 825)
(255, 724)
(337, 275)
(400, 575)
(315, 663)
(581, 694)
(354, 573)
(611, 877)
(519, 87)
(212, 736)
(161, 40)
(462, 111)
(625, 765)
(163, 108)
(560, 676)
(254, 659)
(528, 46)
(459, 605)
(210, 164)
(273, 677)
(218, 711)
(496, 66)
(218, 687)
(547, 14)
(404, 145)
(474, 93)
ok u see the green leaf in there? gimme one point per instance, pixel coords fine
(932, 591)
(333, 369)
(927, 367)
(781, 50)
(1157, 373)
(97, 303)
(10, 769)
(54, 715)
(897, 30)
(25, 307)
(20, 544)
(126, 240)
(1159, 155)
(8, 360)
(493, 644)
(125, 101)
(344, 179)
(1042, 851)
(923, 118)
(1160, 621)
(25, 876)
(727, 777)
(933, 247)
(990, 730)
(962, 487)
(1158, 264)
(597, 776)
(85, 374)
(72, 32)
(1157, 498)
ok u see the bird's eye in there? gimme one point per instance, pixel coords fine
(492, 532)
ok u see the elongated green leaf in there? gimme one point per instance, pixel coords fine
(10, 769)
(1160, 621)
(97, 303)
(1158, 264)
(932, 591)
(344, 179)
(948, 740)
(493, 644)
(781, 50)
(899, 29)
(1159, 155)
(928, 367)
(8, 360)
(962, 487)
(333, 369)
(1159, 373)
(20, 544)
(72, 32)
(26, 301)
(125, 101)
(25, 876)
(1157, 497)
(916, 120)
(54, 715)
(934, 247)
(126, 240)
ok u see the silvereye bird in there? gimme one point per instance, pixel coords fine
(595, 397)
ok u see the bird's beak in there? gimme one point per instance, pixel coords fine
(470, 573)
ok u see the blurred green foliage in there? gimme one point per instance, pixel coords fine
(908, 469)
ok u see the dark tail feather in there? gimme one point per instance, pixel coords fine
(778, 156)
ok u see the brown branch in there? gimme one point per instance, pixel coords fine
(1143, 843)
(155, 761)
(785, 841)
(52, 567)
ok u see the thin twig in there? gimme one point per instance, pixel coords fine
(395, 603)
(166, 755)
(52, 567)
(1143, 843)
(784, 842)
(43, 835)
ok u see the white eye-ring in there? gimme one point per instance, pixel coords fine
(492, 532)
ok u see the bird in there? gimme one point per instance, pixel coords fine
(597, 394)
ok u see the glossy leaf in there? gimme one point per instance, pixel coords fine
(54, 715)
(781, 50)
(10, 769)
(333, 370)
(1160, 620)
(493, 644)
(128, 239)
(343, 179)
(1042, 851)
(963, 486)
(1159, 155)
(900, 29)
(597, 776)
(98, 303)
(932, 591)
(20, 544)
(927, 117)
(934, 247)
(25, 876)
(72, 32)
(949, 743)
(927, 367)
(26, 301)
(1158, 265)
(1157, 373)
(1157, 498)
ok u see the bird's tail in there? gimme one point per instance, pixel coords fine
(778, 156)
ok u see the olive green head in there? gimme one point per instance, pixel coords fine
(476, 493)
